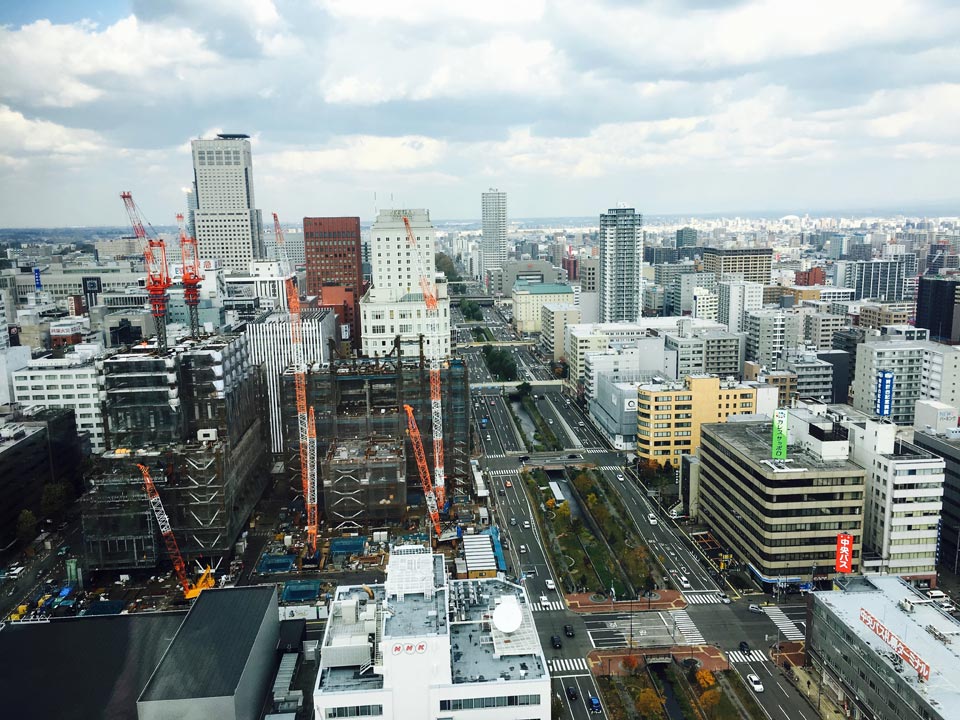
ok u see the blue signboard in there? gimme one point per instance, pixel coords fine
(36, 279)
(884, 400)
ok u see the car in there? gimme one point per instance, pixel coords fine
(573, 456)
(508, 484)
(684, 583)
(501, 492)
(744, 646)
(526, 524)
(568, 630)
(755, 683)
(725, 599)
(581, 424)
(755, 609)
(550, 420)
(551, 585)
(651, 518)
(620, 477)
(572, 693)
(513, 521)
(493, 402)
(523, 458)
(556, 642)
(593, 703)
(523, 549)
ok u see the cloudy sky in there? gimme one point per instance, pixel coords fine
(571, 106)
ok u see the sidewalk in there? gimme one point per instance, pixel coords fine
(610, 662)
(664, 600)
(806, 680)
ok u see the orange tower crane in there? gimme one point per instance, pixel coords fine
(305, 418)
(428, 492)
(173, 550)
(435, 357)
(191, 276)
(155, 263)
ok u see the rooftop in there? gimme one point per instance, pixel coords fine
(110, 658)
(210, 650)
(932, 634)
(535, 288)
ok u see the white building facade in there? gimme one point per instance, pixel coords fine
(735, 299)
(621, 261)
(224, 217)
(493, 243)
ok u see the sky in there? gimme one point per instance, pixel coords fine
(570, 106)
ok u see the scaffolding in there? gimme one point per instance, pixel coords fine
(362, 400)
(365, 483)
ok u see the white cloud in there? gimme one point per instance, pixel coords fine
(20, 135)
(494, 12)
(357, 154)
(68, 65)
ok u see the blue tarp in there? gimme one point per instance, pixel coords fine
(276, 564)
(346, 546)
(498, 549)
(301, 590)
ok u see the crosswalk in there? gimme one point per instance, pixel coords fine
(547, 607)
(501, 472)
(785, 624)
(702, 598)
(495, 456)
(687, 627)
(567, 665)
(745, 657)
(612, 468)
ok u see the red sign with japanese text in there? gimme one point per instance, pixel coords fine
(883, 632)
(844, 563)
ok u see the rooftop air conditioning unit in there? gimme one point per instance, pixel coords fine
(208, 435)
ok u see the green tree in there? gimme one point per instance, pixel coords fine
(445, 265)
(524, 389)
(26, 526)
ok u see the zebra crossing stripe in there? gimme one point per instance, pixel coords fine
(746, 657)
(687, 627)
(558, 665)
(548, 607)
(785, 624)
(707, 598)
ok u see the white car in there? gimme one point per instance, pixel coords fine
(523, 549)
(684, 583)
(620, 478)
(551, 585)
(526, 524)
(755, 683)
(652, 519)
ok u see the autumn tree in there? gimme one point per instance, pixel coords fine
(631, 663)
(649, 703)
(710, 700)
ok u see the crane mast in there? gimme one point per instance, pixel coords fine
(191, 276)
(306, 424)
(435, 358)
(428, 491)
(155, 263)
(173, 550)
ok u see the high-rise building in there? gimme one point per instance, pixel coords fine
(621, 260)
(885, 279)
(818, 329)
(590, 275)
(780, 518)
(769, 332)
(686, 237)
(753, 264)
(735, 299)
(947, 446)
(493, 245)
(938, 307)
(394, 305)
(678, 295)
(332, 253)
(225, 220)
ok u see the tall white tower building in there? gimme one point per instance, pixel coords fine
(224, 217)
(736, 298)
(621, 260)
(394, 305)
(493, 246)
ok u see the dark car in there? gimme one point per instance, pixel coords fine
(572, 693)
(744, 646)
(568, 630)
(555, 641)
(594, 704)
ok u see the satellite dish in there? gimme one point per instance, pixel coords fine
(508, 617)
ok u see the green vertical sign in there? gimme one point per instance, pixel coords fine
(779, 444)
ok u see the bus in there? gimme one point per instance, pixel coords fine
(558, 497)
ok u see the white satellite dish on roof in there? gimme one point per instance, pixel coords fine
(508, 617)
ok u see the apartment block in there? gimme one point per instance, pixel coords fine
(554, 318)
(670, 414)
(735, 299)
(529, 299)
(818, 329)
(883, 279)
(640, 360)
(752, 264)
(781, 518)
(621, 261)
(876, 315)
(814, 376)
(769, 332)
(705, 304)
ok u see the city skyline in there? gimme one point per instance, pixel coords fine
(766, 108)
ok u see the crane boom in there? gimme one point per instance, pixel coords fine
(191, 276)
(435, 359)
(428, 492)
(281, 245)
(306, 425)
(155, 264)
(173, 550)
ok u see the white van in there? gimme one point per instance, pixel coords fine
(936, 594)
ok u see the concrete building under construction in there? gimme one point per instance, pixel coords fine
(195, 415)
(362, 434)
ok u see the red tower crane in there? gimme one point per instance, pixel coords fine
(305, 418)
(428, 492)
(155, 263)
(435, 357)
(191, 276)
(173, 550)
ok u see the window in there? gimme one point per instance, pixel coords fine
(355, 711)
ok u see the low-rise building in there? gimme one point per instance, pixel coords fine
(818, 329)
(554, 318)
(422, 646)
(614, 412)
